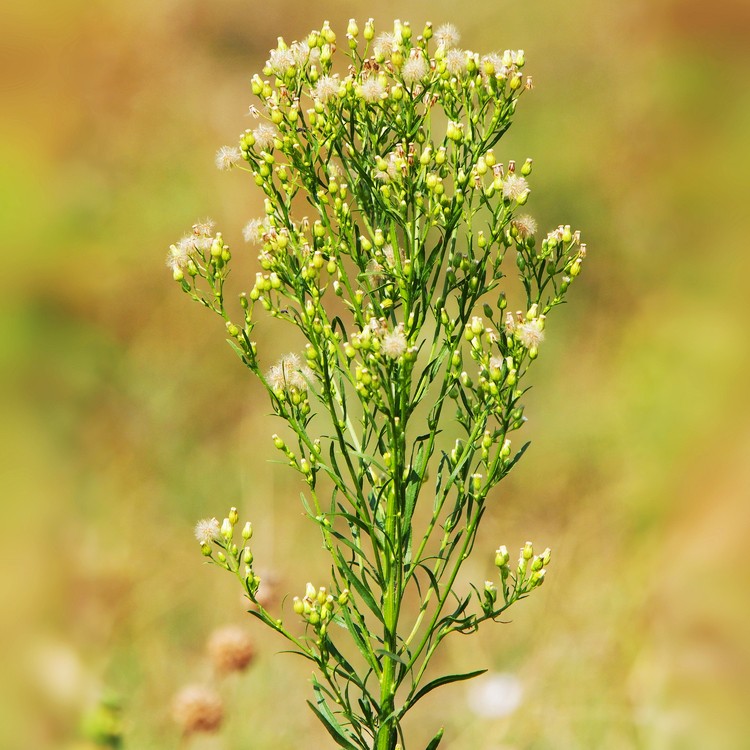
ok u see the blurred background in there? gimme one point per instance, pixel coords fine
(126, 417)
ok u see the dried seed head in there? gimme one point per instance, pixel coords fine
(231, 649)
(198, 709)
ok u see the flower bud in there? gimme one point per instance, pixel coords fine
(226, 529)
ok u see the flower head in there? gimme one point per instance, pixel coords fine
(198, 709)
(385, 43)
(394, 343)
(179, 255)
(281, 60)
(289, 372)
(495, 695)
(203, 228)
(525, 225)
(447, 36)
(326, 88)
(530, 333)
(514, 187)
(227, 157)
(254, 230)
(415, 69)
(231, 649)
(455, 62)
(207, 529)
(301, 53)
(265, 136)
(372, 89)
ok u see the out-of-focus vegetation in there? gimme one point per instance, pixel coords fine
(126, 416)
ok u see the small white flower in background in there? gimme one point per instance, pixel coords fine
(227, 157)
(207, 529)
(496, 695)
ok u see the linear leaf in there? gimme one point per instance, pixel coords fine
(445, 680)
(435, 741)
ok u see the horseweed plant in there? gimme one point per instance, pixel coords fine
(412, 219)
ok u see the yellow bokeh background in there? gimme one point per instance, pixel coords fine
(126, 417)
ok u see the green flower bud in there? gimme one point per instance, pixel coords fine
(226, 529)
(502, 556)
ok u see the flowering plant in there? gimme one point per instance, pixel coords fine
(412, 219)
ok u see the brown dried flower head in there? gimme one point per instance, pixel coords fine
(198, 709)
(231, 649)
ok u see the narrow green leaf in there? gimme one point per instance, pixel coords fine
(391, 656)
(445, 680)
(332, 727)
(435, 741)
(357, 585)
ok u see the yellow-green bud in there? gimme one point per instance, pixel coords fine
(247, 531)
(502, 556)
(226, 529)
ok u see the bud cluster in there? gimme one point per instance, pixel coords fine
(213, 536)
(396, 280)
(527, 575)
(318, 607)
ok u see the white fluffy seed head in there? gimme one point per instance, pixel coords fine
(415, 69)
(372, 90)
(207, 529)
(514, 187)
(394, 343)
(265, 135)
(227, 157)
(446, 36)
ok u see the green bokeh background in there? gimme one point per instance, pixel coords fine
(126, 417)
